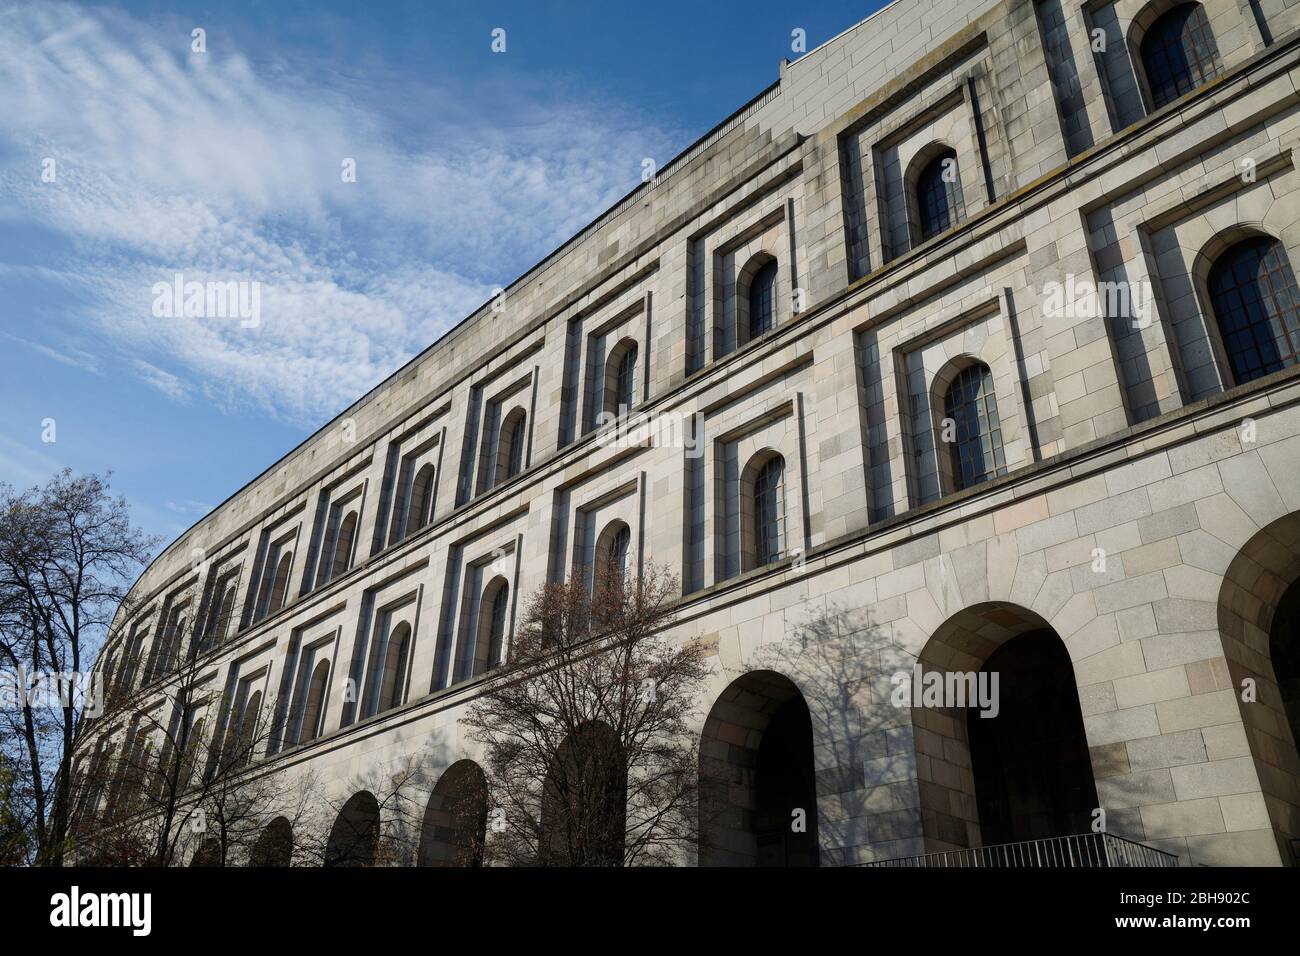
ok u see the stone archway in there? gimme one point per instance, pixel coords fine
(274, 846)
(584, 801)
(354, 838)
(1259, 622)
(1024, 771)
(455, 821)
(758, 800)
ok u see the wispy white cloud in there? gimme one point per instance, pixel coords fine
(168, 161)
(72, 357)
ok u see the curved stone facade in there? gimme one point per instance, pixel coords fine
(939, 188)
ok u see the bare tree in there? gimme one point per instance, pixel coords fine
(372, 821)
(68, 555)
(587, 728)
(187, 774)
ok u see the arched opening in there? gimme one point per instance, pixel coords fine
(756, 297)
(420, 510)
(1002, 755)
(936, 195)
(1256, 305)
(969, 435)
(354, 838)
(1259, 622)
(386, 685)
(620, 378)
(758, 793)
(584, 801)
(309, 727)
(613, 549)
(342, 556)
(274, 846)
(763, 510)
(1177, 51)
(455, 822)
(394, 681)
(493, 626)
(512, 443)
(194, 749)
(281, 586)
(208, 853)
(241, 735)
(219, 620)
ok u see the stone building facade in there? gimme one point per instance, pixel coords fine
(970, 343)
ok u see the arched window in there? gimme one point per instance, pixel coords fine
(281, 586)
(343, 546)
(219, 615)
(492, 628)
(766, 512)
(609, 562)
(972, 429)
(311, 712)
(938, 195)
(242, 735)
(1257, 306)
(194, 748)
(620, 378)
(497, 624)
(762, 300)
(511, 446)
(421, 504)
(1178, 53)
(387, 678)
(616, 556)
(393, 683)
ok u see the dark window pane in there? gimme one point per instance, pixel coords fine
(1253, 293)
(762, 300)
(1179, 53)
(938, 192)
(769, 511)
(976, 449)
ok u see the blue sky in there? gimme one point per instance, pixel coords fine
(225, 165)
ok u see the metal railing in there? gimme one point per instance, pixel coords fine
(1081, 850)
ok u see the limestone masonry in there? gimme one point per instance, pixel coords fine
(970, 343)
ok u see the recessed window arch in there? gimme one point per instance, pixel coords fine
(493, 626)
(280, 587)
(223, 610)
(511, 446)
(613, 551)
(241, 734)
(1176, 49)
(757, 290)
(1256, 306)
(394, 677)
(936, 194)
(420, 509)
(763, 514)
(969, 434)
(315, 705)
(342, 556)
(621, 378)
(387, 681)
